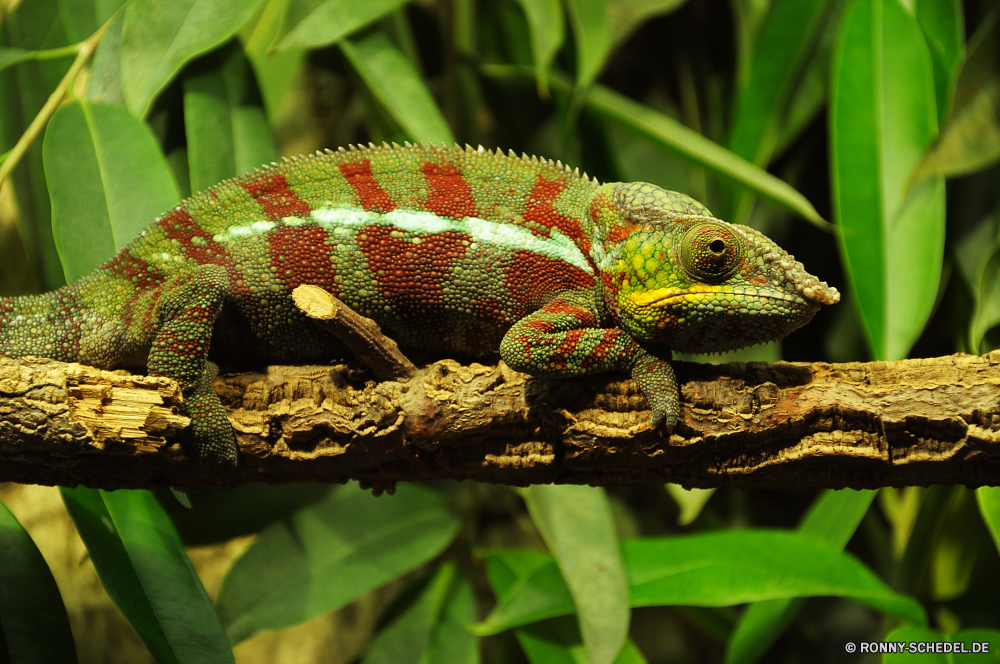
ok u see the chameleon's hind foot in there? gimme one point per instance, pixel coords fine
(210, 430)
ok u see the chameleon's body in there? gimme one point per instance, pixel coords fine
(465, 251)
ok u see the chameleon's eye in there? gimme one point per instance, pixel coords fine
(710, 251)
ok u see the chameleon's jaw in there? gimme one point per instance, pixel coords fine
(706, 318)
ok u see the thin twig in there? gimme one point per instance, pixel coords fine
(83, 52)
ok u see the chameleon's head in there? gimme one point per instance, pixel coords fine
(675, 275)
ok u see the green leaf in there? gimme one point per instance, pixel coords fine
(690, 502)
(710, 569)
(159, 38)
(107, 180)
(427, 626)
(833, 518)
(592, 35)
(787, 40)
(625, 16)
(971, 139)
(82, 18)
(915, 644)
(451, 642)
(545, 20)
(577, 525)
(332, 553)
(143, 566)
(33, 622)
(398, 87)
(734, 567)
(989, 507)
(277, 73)
(882, 119)
(12, 56)
(540, 594)
(309, 23)
(558, 641)
(104, 84)
(699, 150)
(944, 28)
(986, 312)
(224, 119)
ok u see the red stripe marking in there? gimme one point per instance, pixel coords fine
(450, 195)
(273, 194)
(411, 275)
(372, 196)
(301, 255)
(532, 279)
(541, 210)
(132, 268)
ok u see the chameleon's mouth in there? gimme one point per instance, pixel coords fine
(669, 297)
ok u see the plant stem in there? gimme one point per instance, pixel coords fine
(83, 52)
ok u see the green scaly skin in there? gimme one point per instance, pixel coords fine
(467, 251)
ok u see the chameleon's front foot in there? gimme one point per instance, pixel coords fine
(210, 430)
(655, 377)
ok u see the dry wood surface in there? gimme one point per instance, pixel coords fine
(754, 425)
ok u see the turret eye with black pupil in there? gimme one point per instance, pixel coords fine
(710, 251)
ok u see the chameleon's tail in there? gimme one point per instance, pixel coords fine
(50, 325)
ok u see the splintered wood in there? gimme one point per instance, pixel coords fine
(755, 425)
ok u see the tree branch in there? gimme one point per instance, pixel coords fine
(755, 425)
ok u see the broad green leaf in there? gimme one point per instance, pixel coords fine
(971, 139)
(107, 179)
(698, 150)
(944, 29)
(451, 642)
(558, 641)
(398, 87)
(626, 16)
(592, 38)
(224, 120)
(690, 502)
(735, 567)
(507, 569)
(986, 313)
(989, 506)
(309, 23)
(82, 18)
(105, 81)
(277, 73)
(915, 644)
(220, 515)
(832, 518)
(935, 503)
(787, 40)
(427, 626)
(143, 566)
(24, 89)
(577, 525)
(711, 569)
(882, 119)
(158, 38)
(12, 56)
(545, 20)
(33, 622)
(332, 553)
(540, 594)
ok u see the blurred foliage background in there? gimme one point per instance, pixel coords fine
(862, 135)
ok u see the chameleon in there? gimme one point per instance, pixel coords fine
(468, 250)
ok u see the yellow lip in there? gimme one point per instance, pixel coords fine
(662, 297)
(665, 297)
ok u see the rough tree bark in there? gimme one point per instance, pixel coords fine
(755, 425)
